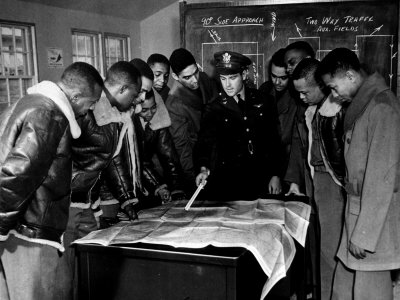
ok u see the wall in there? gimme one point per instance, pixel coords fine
(161, 31)
(53, 29)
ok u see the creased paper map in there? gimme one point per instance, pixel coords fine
(264, 227)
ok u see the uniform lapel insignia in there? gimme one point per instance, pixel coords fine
(223, 99)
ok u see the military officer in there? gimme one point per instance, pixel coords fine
(238, 151)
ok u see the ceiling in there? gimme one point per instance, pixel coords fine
(136, 10)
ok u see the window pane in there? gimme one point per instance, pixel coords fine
(81, 45)
(19, 40)
(3, 91)
(116, 48)
(6, 37)
(15, 93)
(22, 64)
(1, 65)
(89, 46)
(90, 60)
(16, 62)
(9, 63)
(119, 48)
(26, 83)
(74, 45)
(113, 46)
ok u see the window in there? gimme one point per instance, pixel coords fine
(86, 48)
(18, 65)
(116, 49)
(89, 47)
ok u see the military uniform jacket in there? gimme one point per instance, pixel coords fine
(240, 146)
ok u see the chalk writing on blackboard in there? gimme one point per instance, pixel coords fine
(339, 24)
(214, 35)
(273, 36)
(366, 27)
(236, 21)
(298, 30)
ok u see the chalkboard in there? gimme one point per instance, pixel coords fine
(258, 30)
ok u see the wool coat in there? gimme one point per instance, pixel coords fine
(372, 154)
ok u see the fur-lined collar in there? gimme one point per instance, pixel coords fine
(330, 107)
(52, 91)
(161, 118)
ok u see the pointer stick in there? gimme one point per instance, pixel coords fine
(199, 188)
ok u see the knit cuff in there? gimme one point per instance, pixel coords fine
(161, 187)
(129, 201)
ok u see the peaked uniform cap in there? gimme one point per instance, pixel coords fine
(229, 62)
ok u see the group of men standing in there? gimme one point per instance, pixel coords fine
(323, 129)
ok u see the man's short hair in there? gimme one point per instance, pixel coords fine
(303, 47)
(158, 58)
(278, 58)
(180, 59)
(338, 60)
(149, 94)
(143, 68)
(82, 75)
(122, 72)
(307, 69)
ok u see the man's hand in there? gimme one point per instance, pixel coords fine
(130, 211)
(356, 251)
(294, 189)
(274, 186)
(203, 175)
(164, 195)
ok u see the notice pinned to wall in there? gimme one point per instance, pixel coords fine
(55, 58)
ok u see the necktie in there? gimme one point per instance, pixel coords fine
(241, 103)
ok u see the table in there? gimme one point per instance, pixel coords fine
(135, 258)
(149, 272)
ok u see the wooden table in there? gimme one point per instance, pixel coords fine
(157, 272)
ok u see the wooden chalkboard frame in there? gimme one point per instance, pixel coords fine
(184, 6)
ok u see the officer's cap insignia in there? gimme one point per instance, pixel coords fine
(226, 58)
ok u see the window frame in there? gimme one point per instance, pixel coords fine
(98, 48)
(127, 49)
(31, 57)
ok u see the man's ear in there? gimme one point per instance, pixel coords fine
(245, 74)
(74, 97)
(350, 75)
(174, 76)
(123, 88)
